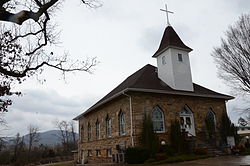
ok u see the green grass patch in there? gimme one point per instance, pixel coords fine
(65, 163)
(180, 158)
(246, 152)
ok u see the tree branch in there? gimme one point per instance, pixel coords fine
(24, 15)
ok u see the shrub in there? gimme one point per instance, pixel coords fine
(227, 128)
(170, 151)
(246, 152)
(200, 151)
(150, 160)
(149, 138)
(238, 149)
(177, 138)
(136, 155)
(5, 157)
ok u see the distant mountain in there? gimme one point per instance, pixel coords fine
(50, 138)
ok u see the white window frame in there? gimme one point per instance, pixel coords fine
(162, 120)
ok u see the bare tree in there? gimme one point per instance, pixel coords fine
(233, 56)
(63, 126)
(67, 134)
(72, 131)
(26, 39)
(18, 146)
(3, 143)
(33, 136)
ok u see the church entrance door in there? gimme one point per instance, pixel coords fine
(187, 121)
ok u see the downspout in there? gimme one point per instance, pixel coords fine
(131, 118)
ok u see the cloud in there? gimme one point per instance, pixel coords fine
(41, 108)
(149, 39)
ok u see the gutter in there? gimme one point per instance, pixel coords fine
(226, 97)
(131, 118)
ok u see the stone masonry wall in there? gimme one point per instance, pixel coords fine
(171, 105)
(111, 110)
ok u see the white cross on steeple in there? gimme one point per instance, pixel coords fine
(166, 10)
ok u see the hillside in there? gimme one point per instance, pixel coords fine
(50, 138)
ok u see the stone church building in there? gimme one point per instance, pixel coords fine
(165, 92)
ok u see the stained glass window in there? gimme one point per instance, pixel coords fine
(122, 123)
(89, 132)
(109, 127)
(97, 130)
(158, 119)
(210, 117)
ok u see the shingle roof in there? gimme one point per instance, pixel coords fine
(146, 80)
(170, 39)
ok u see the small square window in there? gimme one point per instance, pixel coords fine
(180, 59)
(89, 153)
(109, 152)
(98, 152)
(163, 60)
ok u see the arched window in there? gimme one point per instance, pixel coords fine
(109, 126)
(185, 118)
(211, 119)
(89, 132)
(122, 129)
(82, 133)
(158, 119)
(97, 129)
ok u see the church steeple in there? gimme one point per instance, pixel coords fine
(171, 39)
(173, 61)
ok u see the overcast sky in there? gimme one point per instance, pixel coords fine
(123, 35)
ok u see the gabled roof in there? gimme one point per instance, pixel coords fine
(170, 39)
(146, 80)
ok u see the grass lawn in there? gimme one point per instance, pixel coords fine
(65, 163)
(246, 152)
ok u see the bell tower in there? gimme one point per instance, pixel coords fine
(173, 60)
